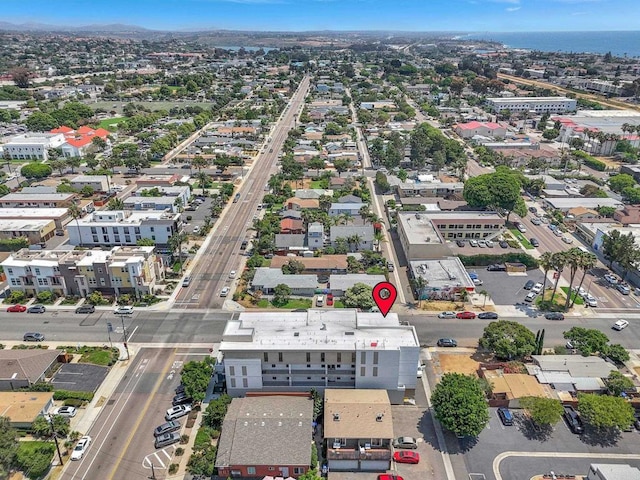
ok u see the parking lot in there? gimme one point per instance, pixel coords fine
(505, 288)
(79, 377)
(496, 438)
(469, 250)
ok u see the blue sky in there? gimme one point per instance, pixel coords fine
(300, 15)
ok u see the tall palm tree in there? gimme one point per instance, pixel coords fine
(587, 261)
(559, 262)
(573, 262)
(378, 238)
(175, 243)
(485, 294)
(546, 263)
(75, 212)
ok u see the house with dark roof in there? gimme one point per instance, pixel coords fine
(363, 234)
(289, 242)
(266, 436)
(23, 368)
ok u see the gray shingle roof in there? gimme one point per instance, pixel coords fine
(266, 277)
(289, 240)
(345, 231)
(26, 364)
(270, 430)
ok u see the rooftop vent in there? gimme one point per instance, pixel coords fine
(336, 417)
(296, 334)
(379, 417)
(349, 333)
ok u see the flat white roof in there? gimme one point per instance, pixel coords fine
(529, 99)
(419, 229)
(317, 329)
(33, 212)
(34, 225)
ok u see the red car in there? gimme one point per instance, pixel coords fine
(466, 315)
(386, 476)
(330, 299)
(406, 456)
(17, 308)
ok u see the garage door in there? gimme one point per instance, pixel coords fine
(374, 465)
(343, 465)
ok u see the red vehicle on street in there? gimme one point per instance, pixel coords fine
(329, 299)
(387, 476)
(406, 456)
(466, 315)
(17, 308)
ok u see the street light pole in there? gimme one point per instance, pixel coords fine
(124, 334)
(55, 439)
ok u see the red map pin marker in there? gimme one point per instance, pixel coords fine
(384, 294)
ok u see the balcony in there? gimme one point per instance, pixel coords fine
(275, 383)
(307, 383)
(275, 371)
(307, 371)
(359, 454)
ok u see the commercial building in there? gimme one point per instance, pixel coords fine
(33, 230)
(98, 183)
(296, 351)
(612, 471)
(566, 204)
(79, 142)
(533, 104)
(23, 368)
(445, 279)
(182, 192)
(33, 146)
(131, 270)
(264, 436)
(485, 129)
(37, 200)
(429, 188)
(122, 227)
(60, 216)
(358, 430)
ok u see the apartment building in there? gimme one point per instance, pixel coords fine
(122, 227)
(33, 146)
(37, 200)
(424, 235)
(133, 270)
(34, 230)
(60, 216)
(533, 104)
(296, 351)
(98, 183)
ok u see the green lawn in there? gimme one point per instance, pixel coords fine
(338, 304)
(292, 304)
(95, 355)
(521, 238)
(315, 184)
(578, 298)
(110, 123)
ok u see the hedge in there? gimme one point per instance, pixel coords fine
(483, 260)
(67, 394)
(591, 161)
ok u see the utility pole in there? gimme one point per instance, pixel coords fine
(153, 472)
(124, 334)
(55, 439)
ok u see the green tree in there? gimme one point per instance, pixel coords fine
(115, 204)
(316, 163)
(616, 247)
(8, 446)
(95, 298)
(145, 242)
(36, 170)
(499, 190)
(618, 383)
(550, 133)
(41, 122)
(587, 261)
(508, 339)
(459, 403)
(617, 353)
(175, 244)
(605, 412)
(216, 410)
(543, 410)
(76, 213)
(621, 181)
(281, 294)
(195, 377)
(587, 340)
(341, 165)
(293, 267)
(359, 296)
(35, 462)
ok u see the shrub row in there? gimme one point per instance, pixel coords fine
(68, 394)
(591, 161)
(483, 260)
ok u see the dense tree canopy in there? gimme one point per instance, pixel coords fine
(195, 378)
(358, 296)
(500, 190)
(604, 411)
(542, 410)
(459, 403)
(587, 340)
(508, 340)
(36, 170)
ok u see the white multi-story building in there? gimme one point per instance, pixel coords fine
(121, 227)
(533, 104)
(33, 146)
(296, 351)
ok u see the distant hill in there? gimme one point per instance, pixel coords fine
(43, 27)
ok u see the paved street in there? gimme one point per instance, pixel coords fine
(221, 254)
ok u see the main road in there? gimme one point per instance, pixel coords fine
(210, 270)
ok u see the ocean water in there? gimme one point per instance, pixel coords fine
(618, 43)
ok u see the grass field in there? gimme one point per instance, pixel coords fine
(110, 123)
(578, 298)
(521, 238)
(292, 304)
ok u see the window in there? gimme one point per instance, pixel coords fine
(232, 370)
(375, 358)
(353, 357)
(251, 470)
(37, 270)
(375, 371)
(363, 357)
(362, 371)
(244, 371)
(298, 470)
(339, 357)
(308, 357)
(233, 383)
(245, 383)
(266, 356)
(322, 357)
(271, 469)
(280, 356)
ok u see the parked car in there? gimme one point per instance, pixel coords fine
(166, 439)
(521, 228)
(567, 240)
(611, 279)
(224, 292)
(123, 310)
(537, 288)
(33, 337)
(591, 300)
(406, 457)
(557, 232)
(38, 308)
(504, 244)
(530, 297)
(232, 274)
(460, 243)
(66, 411)
(488, 316)
(529, 285)
(505, 415)
(17, 308)
(388, 476)
(181, 399)
(86, 309)
(620, 325)
(405, 442)
(536, 221)
(81, 447)
(477, 282)
(533, 209)
(447, 342)
(623, 289)
(490, 244)
(534, 241)
(497, 267)
(466, 315)
(447, 315)
(573, 420)
(554, 316)
(482, 244)
(329, 299)
(177, 411)
(473, 243)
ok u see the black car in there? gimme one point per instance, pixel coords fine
(488, 316)
(529, 285)
(460, 243)
(534, 242)
(179, 389)
(86, 309)
(573, 420)
(533, 209)
(447, 342)
(497, 267)
(181, 399)
(506, 417)
(554, 316)
(504, 244)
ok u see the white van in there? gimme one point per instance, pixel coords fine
(320, 301)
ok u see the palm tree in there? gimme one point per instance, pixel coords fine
(75, 212)
(573, 262)
(364, 212)
(347, 217)
(546, 263)
(485, 294)
(587, 261)
(175, 243)
(559, 262)
(354, 240)
(378, 237)
(419, 284)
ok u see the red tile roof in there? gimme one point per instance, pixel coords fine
(82, 136)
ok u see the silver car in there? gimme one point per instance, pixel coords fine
(405, 442)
